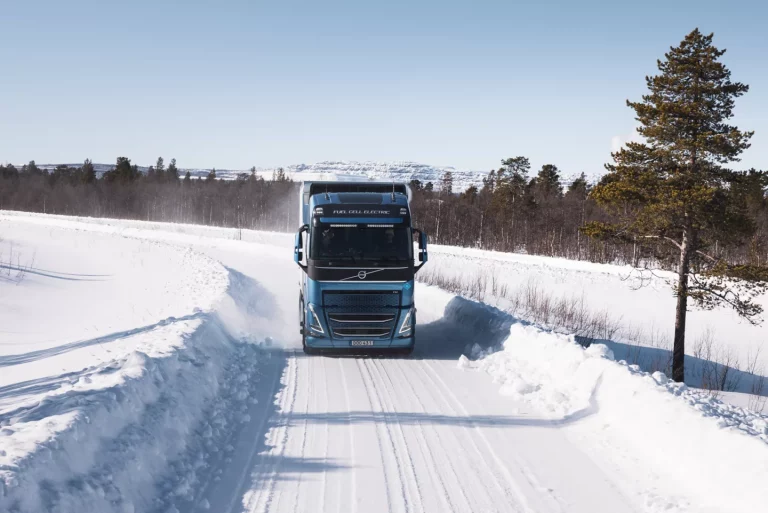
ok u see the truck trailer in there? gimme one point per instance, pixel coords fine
(355, 249)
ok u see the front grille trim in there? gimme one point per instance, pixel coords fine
(361, 300)
(354, 317)
(362, 332)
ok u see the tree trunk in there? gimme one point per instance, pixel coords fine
(678, 352)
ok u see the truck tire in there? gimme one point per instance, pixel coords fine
(406, 351)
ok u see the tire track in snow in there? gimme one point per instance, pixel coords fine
(448, 396)
(384, 432)
(324, 479)
(262, 499)
(441, 441)
(479, 468)
(304, 434)
(353, 488)
(429, 456)
(253, 450)
(392, 413)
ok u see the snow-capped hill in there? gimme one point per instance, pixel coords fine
(401, 171)
(386, 171)
(351, 170)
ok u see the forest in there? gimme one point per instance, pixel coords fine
(514, 210)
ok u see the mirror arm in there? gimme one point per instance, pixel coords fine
(300, 247)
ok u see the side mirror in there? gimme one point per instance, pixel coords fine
(298, 247)
(423, 256)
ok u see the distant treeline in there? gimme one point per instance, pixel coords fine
(159, 195)
(511, 212)
(541, 215)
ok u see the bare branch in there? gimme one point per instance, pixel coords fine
(661, 237)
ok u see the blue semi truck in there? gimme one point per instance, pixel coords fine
(356, 252)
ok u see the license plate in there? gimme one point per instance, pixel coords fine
(362, 342)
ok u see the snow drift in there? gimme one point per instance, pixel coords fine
(689, 450)
(100, 437)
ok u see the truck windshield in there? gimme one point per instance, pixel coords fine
(358, 243)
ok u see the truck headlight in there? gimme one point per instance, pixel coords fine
(407, 326)
(314, 320)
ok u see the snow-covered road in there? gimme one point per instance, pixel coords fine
(231, 416)
(370, 435)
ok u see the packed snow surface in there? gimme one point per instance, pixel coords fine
(155, 367)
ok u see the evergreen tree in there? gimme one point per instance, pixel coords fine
(31, 169)
(547, 182)
(187, 178)
(279, 175)
(122, 172)
(9, 172)
(510, 184)
(470, 194)
(579, 185)
(446, 183)
(173, 172)
(429, 187)
(489, 182)
(159, 169)
(674, 189)
(211, 175)
(89, 173)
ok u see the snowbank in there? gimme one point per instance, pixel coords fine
(148, 230)
(94, 424)
(105, 443)
(677, 441)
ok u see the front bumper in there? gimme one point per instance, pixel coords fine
(328, 343)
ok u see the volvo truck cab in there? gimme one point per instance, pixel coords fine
(356, 252)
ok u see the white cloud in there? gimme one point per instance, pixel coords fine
(618, 141)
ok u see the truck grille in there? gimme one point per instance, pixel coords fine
(365, 313)
(361, 299)
(361, 318)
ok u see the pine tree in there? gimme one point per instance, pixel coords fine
(187, 177)
(579, 185)
(446, 183)
(279, 175)
(173, 172)
(470, 194)
(673, 189)
(547, 182)
(159, 170)
(510, 183)
(122, 172)
(89, 173)
(211, 175)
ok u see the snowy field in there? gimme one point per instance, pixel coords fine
(630, 311)
(155, 367)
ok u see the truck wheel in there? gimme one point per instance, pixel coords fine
(306, 348)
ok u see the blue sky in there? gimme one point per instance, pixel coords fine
(236, 83)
